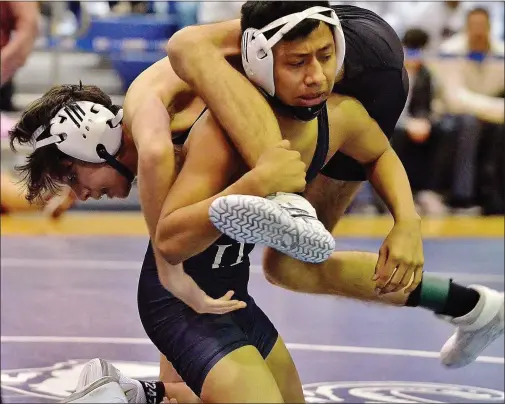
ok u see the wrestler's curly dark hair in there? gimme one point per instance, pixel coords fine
(258, 14)
(46, 168)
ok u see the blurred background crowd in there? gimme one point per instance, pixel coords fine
(450, 136)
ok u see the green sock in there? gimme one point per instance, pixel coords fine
(432, 293)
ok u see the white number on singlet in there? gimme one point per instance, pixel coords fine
(220, 252)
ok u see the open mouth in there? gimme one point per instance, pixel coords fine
(311, 100)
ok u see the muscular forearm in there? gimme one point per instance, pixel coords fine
(156, 176)
(389, 179)
(188, 230)
(235, 102)
(155, 179)
(156, 173)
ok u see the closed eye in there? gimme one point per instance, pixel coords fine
(296, 64)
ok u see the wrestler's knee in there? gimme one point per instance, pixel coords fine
(274, 264)
(289, 273)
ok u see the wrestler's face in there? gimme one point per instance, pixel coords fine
(305, 68)
(95, 181)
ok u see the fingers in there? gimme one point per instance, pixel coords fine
(219, 307)
(406, 276)
(227, 296)
(222, 305)
(400, 279)
(386, 272)
(380, 264)
(418, 276)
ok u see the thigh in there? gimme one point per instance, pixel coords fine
(258, 328)
(281, 364)
(252, 378)
(262, 334)
(331, 198)
(242, 376)
(192, 342)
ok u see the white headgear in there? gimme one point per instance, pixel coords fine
(257, 55)
(80, 129)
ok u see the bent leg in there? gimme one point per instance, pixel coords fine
(345, 273)
(242, 376)
(284, 371)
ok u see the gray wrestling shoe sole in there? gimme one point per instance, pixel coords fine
(103, 390)
(255, 220)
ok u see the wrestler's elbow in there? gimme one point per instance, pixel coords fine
(168, 243)
(179, 43)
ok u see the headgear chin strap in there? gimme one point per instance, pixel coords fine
(305, 114)
(257, 55)
(86, 131)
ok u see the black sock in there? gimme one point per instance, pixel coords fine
(460, 301)
(154, 391)
(442, 296)
(415, 296)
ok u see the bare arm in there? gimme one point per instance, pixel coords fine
(365, 142)
(239, 107)
(184, 229)
(145, 114)
(15, 53)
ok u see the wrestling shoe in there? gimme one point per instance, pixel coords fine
(103, 390)
(285, 222)
(100, 368)
(475, 330)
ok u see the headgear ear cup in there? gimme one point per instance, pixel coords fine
(257, 55)
(258, 60)
(78, 128)
(86, 131)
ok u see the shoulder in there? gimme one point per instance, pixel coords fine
(347, 117)
(159, 80)
(345, 108)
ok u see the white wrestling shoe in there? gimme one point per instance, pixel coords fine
(98, 369)
(285, 222)
(475, 330)
(103, 390)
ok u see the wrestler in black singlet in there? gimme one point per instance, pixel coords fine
(193, 342)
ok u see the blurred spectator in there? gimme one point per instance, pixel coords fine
(211, 11)
(128, 7)
(439, 19)
(472, 78)
(18, 31)
(419, 142)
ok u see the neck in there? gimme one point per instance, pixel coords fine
(129, 155)
(291, 127)
(302, 135)
(479, 46)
